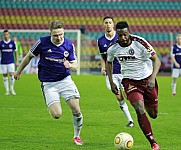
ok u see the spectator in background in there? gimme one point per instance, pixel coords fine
(103, 43)
(176, 60)
(19, 48)
(57, 58)
(7, 49)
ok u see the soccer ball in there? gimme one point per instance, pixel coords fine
(123, 141)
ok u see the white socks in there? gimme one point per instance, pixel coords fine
(77, 121)
(174, 85)
(6, 83)
(124, 108)
(12, 83)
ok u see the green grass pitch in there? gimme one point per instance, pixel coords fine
(26, 124)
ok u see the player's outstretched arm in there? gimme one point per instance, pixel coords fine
(156, 67)
(174, 61)
(103, 65)
(17, 59)
(23, 64)
(109, 68)
(71, 65)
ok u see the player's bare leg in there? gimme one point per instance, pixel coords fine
(153, 112)
(124, 107)
(77, 119)
(144, 123)
(55, 110)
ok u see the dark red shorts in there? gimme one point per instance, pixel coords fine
(137, 90)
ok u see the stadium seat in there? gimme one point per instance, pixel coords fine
(153, 19)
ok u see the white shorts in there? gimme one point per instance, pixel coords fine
(176, 72)
(65, 88)
(117, 79)
(6, 68)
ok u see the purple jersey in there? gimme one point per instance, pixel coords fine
(51, 64)
(103, 43)
(7, 51)
(177, 53)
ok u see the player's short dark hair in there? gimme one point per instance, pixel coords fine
(56, 24)
(5, 31)
(122, 25)
(108, 17)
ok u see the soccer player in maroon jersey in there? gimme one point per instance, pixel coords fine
(136, 55)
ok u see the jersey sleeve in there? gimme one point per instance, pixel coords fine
(110, 54)
(148, 50)
(72, 55)
(35, 50)
(99, 47)
(173, 52)
(15, 46)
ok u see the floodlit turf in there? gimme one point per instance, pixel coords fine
(26, 124)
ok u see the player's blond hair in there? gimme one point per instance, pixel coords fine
(56, 24)
(178, 36)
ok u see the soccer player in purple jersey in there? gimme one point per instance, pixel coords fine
(57, 58)
(136, 55)
(176, 59)
(8, 49)
(103, 42)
